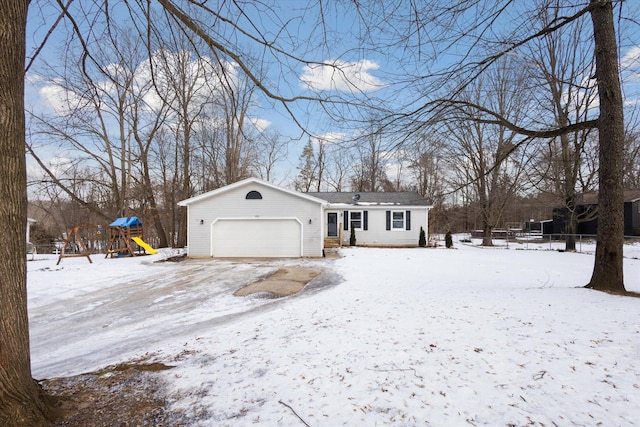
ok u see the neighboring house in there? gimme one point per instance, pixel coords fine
(587, 207)
(254, 218)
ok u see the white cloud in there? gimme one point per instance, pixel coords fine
(331, 137)
(200, 72)
(342, 76)
(630, 70)
(631, 59)
(58, 98)
(260, 124)
(57, 164)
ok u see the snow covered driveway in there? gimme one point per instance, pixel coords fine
(83, 316)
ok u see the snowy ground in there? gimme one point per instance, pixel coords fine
(405, 337)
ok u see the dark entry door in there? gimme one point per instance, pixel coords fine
(332, 224)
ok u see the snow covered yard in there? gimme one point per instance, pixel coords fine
(410, 337)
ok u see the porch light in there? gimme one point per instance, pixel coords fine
(202, 222)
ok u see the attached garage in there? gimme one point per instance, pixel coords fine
(256, 237)
(254, 218)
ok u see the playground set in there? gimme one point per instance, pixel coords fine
(125, 239)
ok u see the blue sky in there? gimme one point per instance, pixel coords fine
(372, 69)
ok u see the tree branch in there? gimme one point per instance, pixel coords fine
(294, 413)
(502, 121)
(46, 37)
(182, 17)
(58, 182)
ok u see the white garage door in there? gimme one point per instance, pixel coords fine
(256, 237)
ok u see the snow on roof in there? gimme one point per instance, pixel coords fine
(348, 198)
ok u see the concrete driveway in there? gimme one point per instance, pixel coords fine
(133, 313)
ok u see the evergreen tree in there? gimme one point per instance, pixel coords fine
(422, 240)
(352, 238)
(307, 167)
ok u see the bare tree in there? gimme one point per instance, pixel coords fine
(210, 113)
(178, 73)
(239, 152)
(608, 272)
(632, 161)
(166, 172)
(208, 155)
(339, 164)
(21, 401)
(427, 167)
(369, 173)
(503, 29)
(110, 115)
(562, 64)
(405, 30)
(271, 148)
(146, 122)
(97, 119)
(227, 140)
(485, 152)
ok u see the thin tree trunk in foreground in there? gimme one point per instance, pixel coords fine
(608, 271)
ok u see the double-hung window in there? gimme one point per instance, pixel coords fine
(397, 220)
(355, 220)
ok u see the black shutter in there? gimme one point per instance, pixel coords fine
(365, 220)
(407, 220)
(388, 220)
(345, 226)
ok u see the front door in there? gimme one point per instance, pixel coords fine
(332, 224)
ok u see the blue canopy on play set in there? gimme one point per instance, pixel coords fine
(126, 222)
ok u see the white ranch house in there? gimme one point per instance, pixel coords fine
(254, 218)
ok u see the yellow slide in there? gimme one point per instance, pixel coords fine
(144, 245)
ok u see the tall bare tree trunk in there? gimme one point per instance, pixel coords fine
(608, 268)
(151, 199)
(21, 402)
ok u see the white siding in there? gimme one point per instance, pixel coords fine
(275, 203)
(377, 233)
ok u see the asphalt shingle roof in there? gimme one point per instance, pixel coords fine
(404, 198)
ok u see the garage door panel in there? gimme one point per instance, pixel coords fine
(256, 238)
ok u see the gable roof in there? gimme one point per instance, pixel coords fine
(399, 198)
(247, 182)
